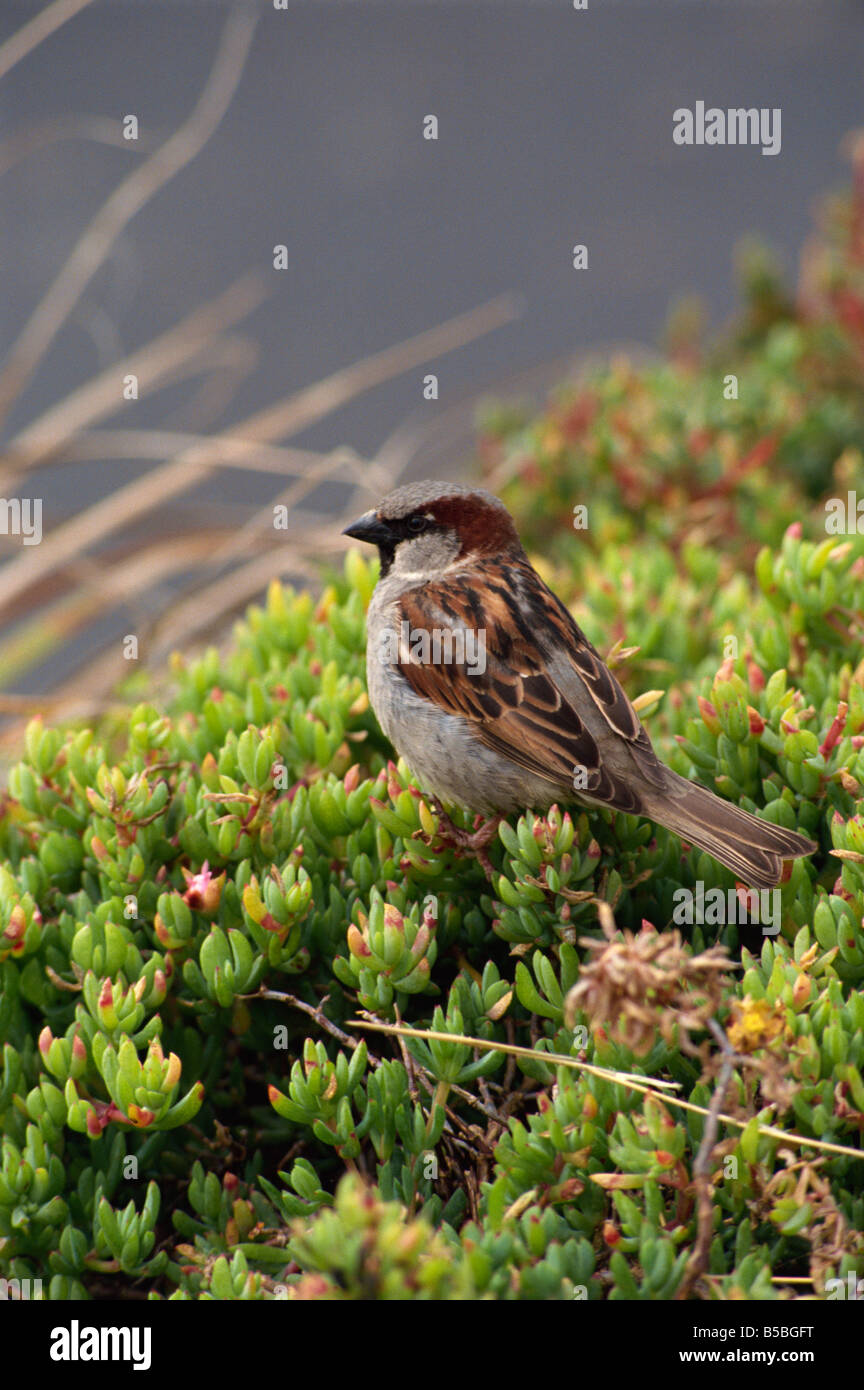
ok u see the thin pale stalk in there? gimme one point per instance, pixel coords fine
(651, 1087)
(123, 204)
(193, 465)
(37, 30)
(152, 364)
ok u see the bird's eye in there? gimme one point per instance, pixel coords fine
(417, 524)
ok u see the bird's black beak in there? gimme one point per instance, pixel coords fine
(372, 529)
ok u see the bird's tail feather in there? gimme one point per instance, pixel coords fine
(753, 849)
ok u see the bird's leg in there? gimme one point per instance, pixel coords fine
(475, 842)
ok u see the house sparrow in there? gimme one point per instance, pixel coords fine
(497, 700)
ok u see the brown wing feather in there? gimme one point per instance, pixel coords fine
(515, 706)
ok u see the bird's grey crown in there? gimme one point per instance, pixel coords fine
(402, 501)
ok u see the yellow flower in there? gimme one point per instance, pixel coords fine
(755, 1024)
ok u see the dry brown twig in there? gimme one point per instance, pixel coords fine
(702, 1171)
(647, 983)
(100, 129)
(830, 1236)
(193, 465)
(37, 30)
(127, 199)
(166, 358)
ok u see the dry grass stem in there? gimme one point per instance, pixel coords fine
(37, 30)
(127, 199)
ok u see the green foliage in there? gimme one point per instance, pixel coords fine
(199, 899)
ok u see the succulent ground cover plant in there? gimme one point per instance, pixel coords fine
(265, 1036)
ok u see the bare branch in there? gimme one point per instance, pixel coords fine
(368, 476)
(323, 397)
(155, 362)
(39, 28)
(124, 203)
(158, 486)
(103, 130)
(212, 603)
(317, 1014)
(701, 1251)
(102, 586)
(248, 455)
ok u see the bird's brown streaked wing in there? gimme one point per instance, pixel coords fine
(516, 707)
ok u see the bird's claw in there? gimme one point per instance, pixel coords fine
(474, 842)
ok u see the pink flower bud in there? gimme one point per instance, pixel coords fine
(17, 924)
(835, 733)
(203, 891)
(709, 714)
(351, 780)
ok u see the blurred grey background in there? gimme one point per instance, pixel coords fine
(555, 127)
